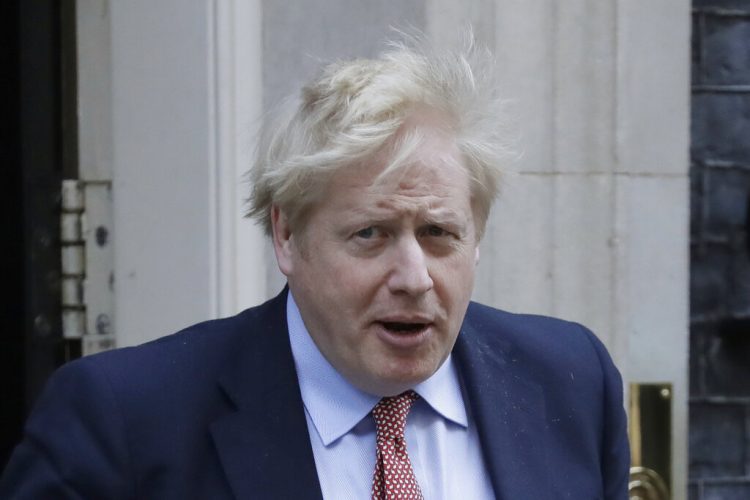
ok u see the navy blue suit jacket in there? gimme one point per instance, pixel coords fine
(215, 412)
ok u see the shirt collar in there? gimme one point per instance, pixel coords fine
(335, 406)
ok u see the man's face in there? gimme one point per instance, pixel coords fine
(383, 269)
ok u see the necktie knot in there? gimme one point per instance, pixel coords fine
(390, 415)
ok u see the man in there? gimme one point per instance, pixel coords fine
(372, 375)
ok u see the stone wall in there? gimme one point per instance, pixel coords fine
(719, 445)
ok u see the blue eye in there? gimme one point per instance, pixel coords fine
(365, 233)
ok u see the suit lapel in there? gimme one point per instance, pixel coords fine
(264, 446)
(508, 409)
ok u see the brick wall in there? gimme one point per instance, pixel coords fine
(720, 252)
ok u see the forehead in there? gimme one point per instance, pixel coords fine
(437, 187)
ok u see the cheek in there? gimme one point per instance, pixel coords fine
(454, 282)
(459, 269)
(359, 286)
(343, 283)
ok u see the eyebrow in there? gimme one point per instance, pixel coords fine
(444, 216)
(440, 217)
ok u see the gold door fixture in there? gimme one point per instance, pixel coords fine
(650, 430)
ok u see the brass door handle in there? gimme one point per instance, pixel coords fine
(650, 431)
(646, 484)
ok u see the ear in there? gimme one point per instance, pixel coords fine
(476, 255)
(282, 240)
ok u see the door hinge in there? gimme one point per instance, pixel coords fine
(87, 264)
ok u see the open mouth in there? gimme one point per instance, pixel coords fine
(404, 328)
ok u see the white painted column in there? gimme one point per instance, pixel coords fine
(185, 96)
(238, 254)
(652, 189)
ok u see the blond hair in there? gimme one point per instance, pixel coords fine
(352, 110)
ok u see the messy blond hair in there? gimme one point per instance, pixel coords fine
(354, 107)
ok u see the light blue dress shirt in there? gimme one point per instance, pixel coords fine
(441, 437)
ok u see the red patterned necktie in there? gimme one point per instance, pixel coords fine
(394, 477)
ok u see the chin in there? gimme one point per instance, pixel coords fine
(394, 383)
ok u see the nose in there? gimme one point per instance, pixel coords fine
(410, 273)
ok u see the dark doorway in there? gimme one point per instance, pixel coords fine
(37, 148)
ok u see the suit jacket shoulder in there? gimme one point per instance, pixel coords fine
(555, 347)
(548, 404)
(173, 418)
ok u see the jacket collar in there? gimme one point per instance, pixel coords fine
(264, 446)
